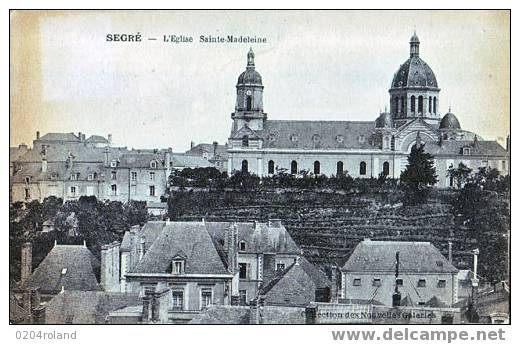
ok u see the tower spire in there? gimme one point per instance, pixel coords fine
(414, 44)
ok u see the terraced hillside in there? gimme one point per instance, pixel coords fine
(329, 225)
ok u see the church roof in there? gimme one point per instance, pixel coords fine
(449, 121)
(319, 134)
(414, 257)
(384, 120)
(414, 73)
(250, 76)
(477, 148)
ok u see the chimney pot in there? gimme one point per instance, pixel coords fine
(37, 135)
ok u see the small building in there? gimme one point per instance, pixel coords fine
(298, 285)
(424, 273)
(214, 153)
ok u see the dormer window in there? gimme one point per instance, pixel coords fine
(178, 264)
(361, 139)
(466, 151)
(27, 179)
(205, 155)
(242, 246)
(90, 177)
(113, 163)
(54, 176)
(153, 164)
(74, 176)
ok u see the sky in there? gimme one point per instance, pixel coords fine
(315, 65)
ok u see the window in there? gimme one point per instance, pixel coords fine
(503, 165)
(74, 176)
(153, 164)
(294, 167)
(113, 163)
(205, 155)
(245, 141)
(245, 168)
(434, 104)
(206, 297)
(430, 105)
(376, 282)
(421, 283)
(152, 175)
(399, 282)
(386, 168)
(357, 282)
(54, 176)
(243, 270)
(466, 151)
(316, 167)
(441, 284)
(90, 177)
(114, 190)
(133, 176)
(113, 175)
(152, 190)
(73, 191)
(242, 246)
(420, 104)
(243, 297)
(27, 180)
(412, 104)
(339, 168)
(249, 103)
(27, 194)
(177, 300)
(363, 168)
(270, 167)
(178, 266)
(280, 267)
(361, 139)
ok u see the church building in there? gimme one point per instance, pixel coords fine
(363, 149)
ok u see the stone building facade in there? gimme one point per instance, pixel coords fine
(362, 149)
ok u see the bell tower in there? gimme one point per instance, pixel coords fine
(249, 108)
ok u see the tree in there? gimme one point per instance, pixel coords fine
(460, 175)
(418, 177)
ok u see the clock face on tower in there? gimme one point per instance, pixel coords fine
(248, 92)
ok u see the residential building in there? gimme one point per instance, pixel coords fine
(214, 153)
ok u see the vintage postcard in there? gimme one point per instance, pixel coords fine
(260, 167)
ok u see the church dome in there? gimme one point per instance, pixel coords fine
(414, 72)
(449, 121)
(384, 121)
(250, 75)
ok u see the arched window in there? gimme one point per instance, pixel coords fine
(242, 245)
(363, 168)
(294, 167)
(339, 168)
(430, 105)
(435, 105)
(386, 168)
(249, 103)
(412, 105)
(399, 105)
(245, 141)
(403, 105)
(395, 108)
(420, 104)
(270, 167)
(386, 143)
(153, 164)
(317, 167)
(245, 168)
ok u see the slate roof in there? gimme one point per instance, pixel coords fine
(415, 72)
(478, 148)
(80, 264)
(449, 121)
(15, 153)
(59, 169)
(193, 239)
(317, 276)
(208, 147)
(318, 134)
(59, 137)
(414, 257)
(137, 159)
(87, 307)
(97, 139)
(189, 161)
(216, 314)
(262, 239)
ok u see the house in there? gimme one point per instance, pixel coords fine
(423, 273)
(198, 263)
(214, 153)
(297, 285)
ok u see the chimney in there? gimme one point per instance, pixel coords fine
(105, 153)
(80, 136)
(159, 306)
(37, 135)
(334, 284)
(215, 146)
(508, 143)
(109, 138)
(450, 251)
(192, 144)
(475, 140)
(142, 248)
(26, 261)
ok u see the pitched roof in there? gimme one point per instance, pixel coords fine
(259, 237)
(318, 134)
(97, 139)
(478, 148)
(208, 147)
(87, 307)
(193, 239)
(216, 314)
(59, 137)
(68, 266)
(189, 161)
(141, 159)
(57, 169)
(414, 257)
